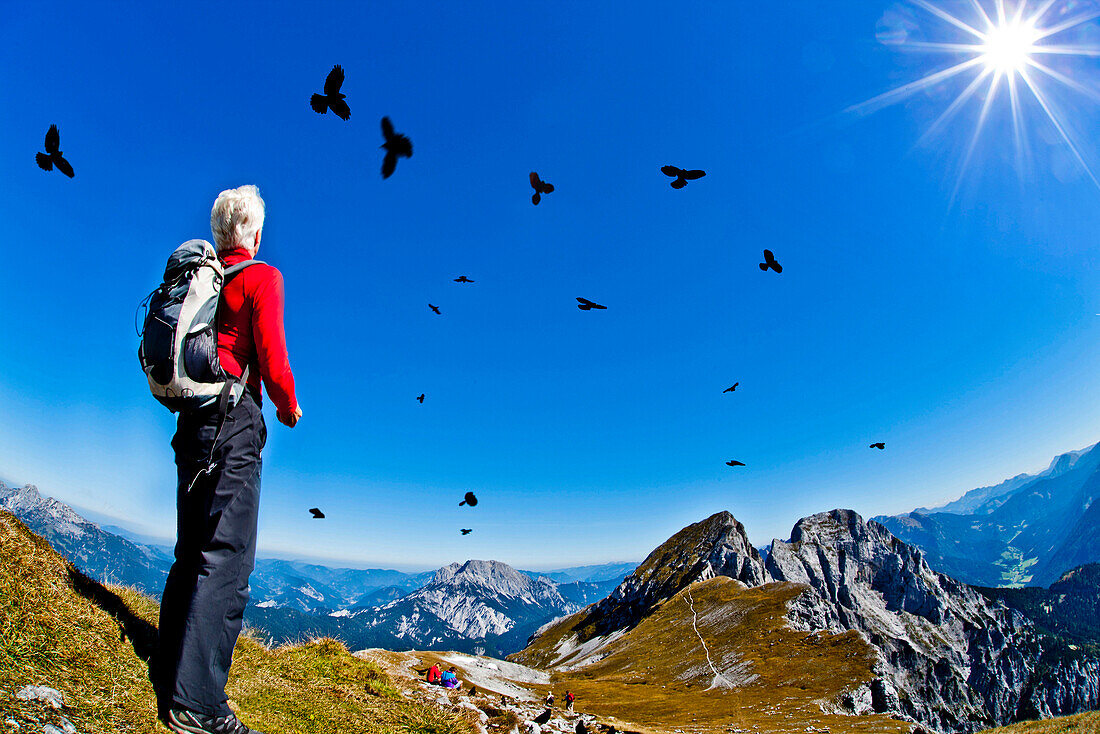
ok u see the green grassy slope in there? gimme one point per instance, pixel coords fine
(60, 629)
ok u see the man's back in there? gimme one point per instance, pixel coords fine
(250, 330)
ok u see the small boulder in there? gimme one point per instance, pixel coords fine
(50, 696)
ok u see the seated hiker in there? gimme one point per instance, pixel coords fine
(433, 674)
(449, 679)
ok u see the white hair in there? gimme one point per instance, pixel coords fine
(237, 216)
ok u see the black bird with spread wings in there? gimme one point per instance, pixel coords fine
(731, 388)
(466, 531)
(540, 187)
(469, 499)
(421, 398)
(586, 305)
(463, 279)
(332, 99)
(770, 263)
(317, 514)
(396, 145)
(880, 446)
(52, 157)
(735, 463)
(682, 177)
(543, 717)
(435, 308)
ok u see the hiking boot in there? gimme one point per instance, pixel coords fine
(189, 722)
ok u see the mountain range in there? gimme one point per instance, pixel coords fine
(878, 632)
(1028, 530)
(484, 606)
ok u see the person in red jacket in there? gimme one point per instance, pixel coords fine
(206, 592)
(433, 674)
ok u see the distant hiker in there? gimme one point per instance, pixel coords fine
(549, 699)
(569, 698)
(433, 674)
(218, 493)
(449, 679)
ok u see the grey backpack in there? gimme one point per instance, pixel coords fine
(179, 337)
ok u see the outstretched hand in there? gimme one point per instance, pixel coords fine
(290, 419)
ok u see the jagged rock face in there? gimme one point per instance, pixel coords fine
(717, 546)
(948, 657)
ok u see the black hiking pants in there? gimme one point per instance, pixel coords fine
(202, 608)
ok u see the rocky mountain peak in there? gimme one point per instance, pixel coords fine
(716, 546)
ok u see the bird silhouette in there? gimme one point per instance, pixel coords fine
(470, 499)
(731, 388)
(435, 308)
(421, 398)
(396, 145)
(581, 728)
(735, 463)
(682, 177)
(543, 717)
(770, 262)
(332, 99)
(540, 187)
(52, 157)
(586, 305)
(466, 531)
(880, 446)
(317, 514)
(463, 279)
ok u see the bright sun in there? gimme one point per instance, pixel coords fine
(1007, 47)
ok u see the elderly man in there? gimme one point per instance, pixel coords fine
(207, 589)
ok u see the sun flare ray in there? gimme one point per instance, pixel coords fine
(1001, 44)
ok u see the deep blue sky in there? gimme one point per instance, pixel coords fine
(963, 334)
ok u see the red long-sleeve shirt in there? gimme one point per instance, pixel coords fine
(250, 330)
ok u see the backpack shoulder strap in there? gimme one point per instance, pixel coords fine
(234, 269)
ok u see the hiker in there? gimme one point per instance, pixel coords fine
(433, 674)
(569, 701)
(549, 699)
(449, 679)
(218, 463)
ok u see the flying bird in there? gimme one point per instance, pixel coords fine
(732, 387)
(540, 187)
(317, 514)
(581, 728)
(543, 717)
(421, 398)
(586, 305)
(332, 99)
(770, 262)
(463, 279)
(52, 157)
(435, 308)
(396, 145)
(466, 531)
(880, 446)
(735, 463)
(470, 499)
(682, 177)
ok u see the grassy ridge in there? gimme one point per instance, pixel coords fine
(60, 629)
(777, 679)
(1080, 724)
